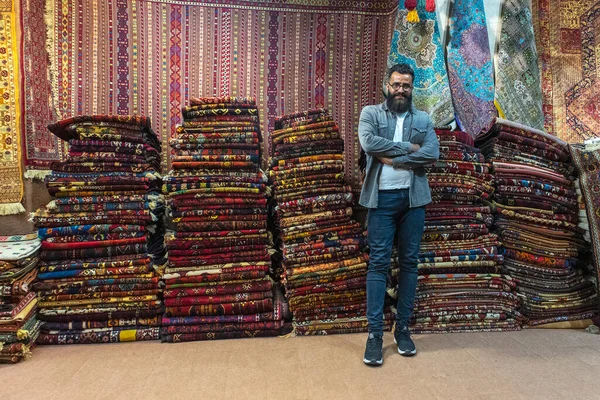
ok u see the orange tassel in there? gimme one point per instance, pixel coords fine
(413, 16)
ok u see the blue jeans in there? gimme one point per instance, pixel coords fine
(392, 216)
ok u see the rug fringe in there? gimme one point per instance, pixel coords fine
(11, 208)
(289, 335)
(52, 205)
(39, 174)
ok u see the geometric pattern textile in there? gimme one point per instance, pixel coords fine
(470, 67)
(11, 182)
(40, 147)
(419, 45)
(518, 88)
(568, 42)
(290, 57)
(16, 250)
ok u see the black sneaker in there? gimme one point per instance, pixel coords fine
(373, 352)
(406, 347)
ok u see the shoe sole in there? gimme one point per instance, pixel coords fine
(375, 363)
(406, 353)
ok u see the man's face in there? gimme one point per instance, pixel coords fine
(399, 95)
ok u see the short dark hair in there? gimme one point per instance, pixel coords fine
(401, 68)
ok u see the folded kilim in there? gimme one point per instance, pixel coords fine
(19, 326)
(323, 259)
(217, 283)
(102, 249)
(538, 223)
(461, 286)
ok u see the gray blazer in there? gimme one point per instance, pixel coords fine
(376, 130)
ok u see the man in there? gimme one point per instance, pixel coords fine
(399, 141)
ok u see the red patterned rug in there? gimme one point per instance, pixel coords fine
(40, 147)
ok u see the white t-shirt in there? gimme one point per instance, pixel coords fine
(395, 178)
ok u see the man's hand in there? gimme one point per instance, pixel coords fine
(386, 160)
(414, 147)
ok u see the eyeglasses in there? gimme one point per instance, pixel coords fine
(398, 85)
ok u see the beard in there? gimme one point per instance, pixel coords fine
(399, 103)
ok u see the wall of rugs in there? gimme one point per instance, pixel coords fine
(163, 53)
(234, 128)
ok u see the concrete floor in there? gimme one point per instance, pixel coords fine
(531, 364)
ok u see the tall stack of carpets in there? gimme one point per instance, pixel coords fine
(19, 327)
(102, 237)
(586, 158)
(217, 280)
(323, 249)
(537, 217)
(586, 259)
(460, 285)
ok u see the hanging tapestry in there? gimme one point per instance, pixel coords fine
(40, 147)
(11, 182)
(290, 57)
(470, 67)
(518, 87)
(419, 45)
(568, 40)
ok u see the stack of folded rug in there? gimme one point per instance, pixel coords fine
(19, 327)
(537, 221)
(324, 262)
(586, 158)
(217, 281)
(460, 286)
(586, 255)
(102, 237)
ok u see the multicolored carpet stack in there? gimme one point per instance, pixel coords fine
(537, 217)
(217, 281)
(460, 284)
(102, 237)
(586, 261)
(586, 158)
(19, 327)
(324, 261)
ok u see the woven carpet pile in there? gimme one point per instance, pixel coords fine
(19, 327)
(461, 286)
(586, 158)
(324, 262)
(218, 283)
(102, 237)
(537, 221)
